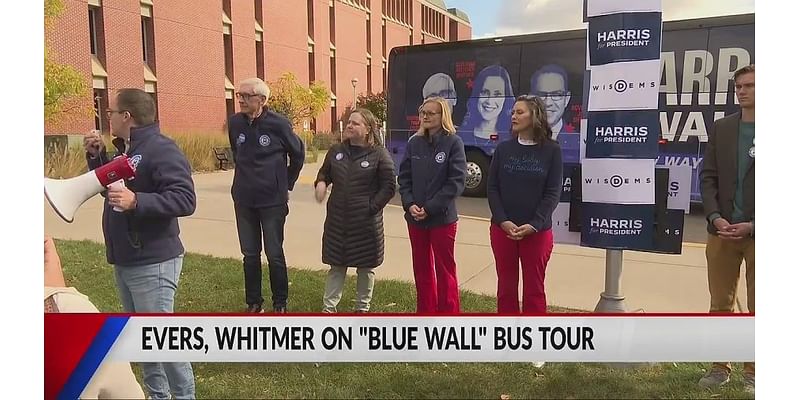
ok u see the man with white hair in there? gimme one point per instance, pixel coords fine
(440, 85)
(262, 141)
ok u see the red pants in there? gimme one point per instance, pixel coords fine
(534, 253)
(435, 268)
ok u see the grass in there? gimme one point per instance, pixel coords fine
(67, 162)
(210, 284)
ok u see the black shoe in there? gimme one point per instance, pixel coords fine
(279, 310)
(254, 309)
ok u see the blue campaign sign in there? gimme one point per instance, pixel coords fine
(622, 134)
(624, 37)
(567, 176)
(616, 226)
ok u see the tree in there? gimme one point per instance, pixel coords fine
(297, 102)
(376, 103)
(64, 87)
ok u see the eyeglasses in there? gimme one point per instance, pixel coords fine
(556, 96)
(110, 111)
(424, 113)
(246, 96)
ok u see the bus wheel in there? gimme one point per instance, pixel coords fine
(477, 174)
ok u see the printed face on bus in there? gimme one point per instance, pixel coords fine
(357, 128)
(430, 116)
(746, 90)
(440, 85)
(551, 88)
(492, 98)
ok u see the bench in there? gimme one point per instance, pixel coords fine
(225, 157)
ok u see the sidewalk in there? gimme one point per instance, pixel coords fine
(575, 275)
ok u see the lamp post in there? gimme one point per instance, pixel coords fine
(354, 81)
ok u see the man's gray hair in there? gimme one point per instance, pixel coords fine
(259, 86)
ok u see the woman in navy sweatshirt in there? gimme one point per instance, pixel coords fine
(524, 188)
(431, 176)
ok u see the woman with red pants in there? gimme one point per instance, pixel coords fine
(524, 189)
(431, 176)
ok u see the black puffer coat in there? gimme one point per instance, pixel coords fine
(363, 183)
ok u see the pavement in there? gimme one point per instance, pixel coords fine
(575, 275)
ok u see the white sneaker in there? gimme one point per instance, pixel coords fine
(538, 364)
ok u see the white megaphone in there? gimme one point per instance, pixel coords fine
(67, 195)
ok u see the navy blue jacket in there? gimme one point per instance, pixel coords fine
(260, 150)
(432, 176)
(164, 191)
(525, 183)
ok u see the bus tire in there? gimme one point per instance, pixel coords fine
(477, 174)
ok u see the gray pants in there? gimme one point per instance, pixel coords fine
(335, 284)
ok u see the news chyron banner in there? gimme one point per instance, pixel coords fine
(627, 203)
(97, 341)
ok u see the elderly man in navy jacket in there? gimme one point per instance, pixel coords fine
(268, 157)
(140, 223)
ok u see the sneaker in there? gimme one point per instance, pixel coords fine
(254, 309)
(279, 310)
(538, 364)
(714, 378)
(750, 384)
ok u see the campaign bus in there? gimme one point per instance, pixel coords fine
(481, 78)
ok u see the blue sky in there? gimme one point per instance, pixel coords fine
(511, 17)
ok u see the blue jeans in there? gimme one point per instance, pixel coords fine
(151, 289)
(253, 226)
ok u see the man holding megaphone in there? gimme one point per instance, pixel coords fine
(140, 222)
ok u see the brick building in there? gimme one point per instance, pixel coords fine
(191, 54)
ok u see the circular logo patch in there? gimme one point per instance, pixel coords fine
(263, 140)
(752, 152)
(440, 156)
(134, 161)
(364, 164)
(240, 139)
(339, 156)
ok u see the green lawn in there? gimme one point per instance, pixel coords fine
(211, 284)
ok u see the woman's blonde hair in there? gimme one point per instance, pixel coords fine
(371, 122)
(447, 116)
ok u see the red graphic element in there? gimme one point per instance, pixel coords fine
(66, 339)
(470, 84)
(465, 69)
(119, 168)
(413, 122)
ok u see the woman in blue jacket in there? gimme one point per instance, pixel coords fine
(431, 176)
(523, 189)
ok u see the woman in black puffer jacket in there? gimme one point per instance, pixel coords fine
(362, 174)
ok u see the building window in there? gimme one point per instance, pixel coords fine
(369, 76)
(369, 37)
(226, 7)
(230, 107)
(260, 59)
(333, 71)
(332, 22)
(148, 43)
(312, 70)
(228, 44)
(259, 8)
(384, 77)
(310, 8)
(334, 117)
(383, 38)
(100, 104)
(96, 45)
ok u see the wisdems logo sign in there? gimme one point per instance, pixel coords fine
(639, 41)
(613, 226)
(624, 86)
(618, 181)
(622, 134)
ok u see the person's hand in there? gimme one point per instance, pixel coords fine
(737, 231)
(320, 191)
(524, 230)
(417, 212)
(121, 197)
(93, 143)
(723, 229)
(509, 228)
